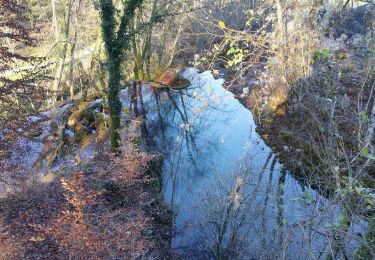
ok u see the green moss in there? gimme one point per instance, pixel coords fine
(94, 95)
(85, 120)
(137, 140)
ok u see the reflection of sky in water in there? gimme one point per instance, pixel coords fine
(208, 139)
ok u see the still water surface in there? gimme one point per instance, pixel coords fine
(231, 197)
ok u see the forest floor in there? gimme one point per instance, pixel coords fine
(110, 207)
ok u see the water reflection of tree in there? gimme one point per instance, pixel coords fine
(191, 145)
(248, 218)
(165, 121)
(229, 211)
(167, 115)
(267, 197)
(280, 218)
(245, 214)
(235, 204)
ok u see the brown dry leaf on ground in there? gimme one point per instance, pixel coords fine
(22, 217)
(75, 217)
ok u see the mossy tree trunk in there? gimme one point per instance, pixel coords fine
(116, 43)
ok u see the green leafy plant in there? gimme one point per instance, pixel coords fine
(222, 25)
(366, 153)
(321, 54)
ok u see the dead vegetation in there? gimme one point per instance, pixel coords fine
(325, 116)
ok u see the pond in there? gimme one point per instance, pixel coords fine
(230, 196)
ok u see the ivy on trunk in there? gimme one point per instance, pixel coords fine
(117, 41)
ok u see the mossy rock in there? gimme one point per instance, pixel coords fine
(51, 149)
(94, 96)
(83, 120)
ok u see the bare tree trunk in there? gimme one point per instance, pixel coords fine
(174, 46)
(72, 50)
(54, 21)
(60, 68)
